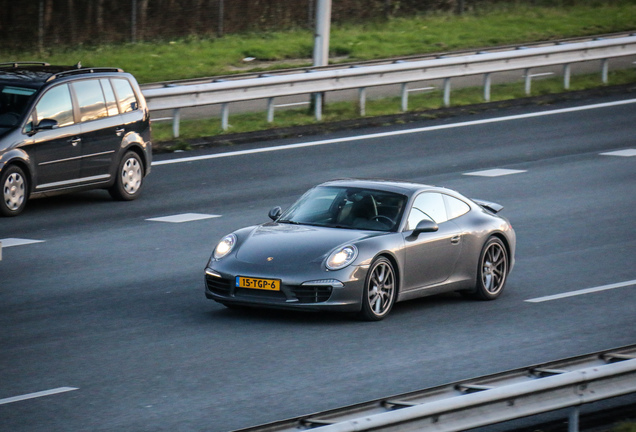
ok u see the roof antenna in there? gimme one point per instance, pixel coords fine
(78, 65)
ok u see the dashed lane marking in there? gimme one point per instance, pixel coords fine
(185, 217)
(8, 242)
(582, 292)
(37, 395)
(622, 153)
(497, 172)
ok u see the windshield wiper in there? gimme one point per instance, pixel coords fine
(287, 221)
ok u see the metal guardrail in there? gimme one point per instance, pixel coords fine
(175, 97)
(567, 383)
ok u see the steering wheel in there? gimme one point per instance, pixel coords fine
(384, 219)
(10, 117)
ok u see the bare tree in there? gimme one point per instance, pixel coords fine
(143, 18)
(72, 24)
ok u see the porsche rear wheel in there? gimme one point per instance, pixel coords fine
(380, 290)
(493, 270)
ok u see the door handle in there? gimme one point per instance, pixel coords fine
(120, 131)
(455, 239)
(75, 141)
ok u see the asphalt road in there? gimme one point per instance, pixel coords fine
(108, 306)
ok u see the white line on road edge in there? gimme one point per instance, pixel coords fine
(581, 292)
(393, 133)
(37, 395)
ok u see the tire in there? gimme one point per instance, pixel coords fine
(492, 272)
(15, 191)
(130, 178)
(380, 290)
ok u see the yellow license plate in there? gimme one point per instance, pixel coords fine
(253, 283)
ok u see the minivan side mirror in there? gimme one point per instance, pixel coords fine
(275, 213)
(46, 124)
(424, 226)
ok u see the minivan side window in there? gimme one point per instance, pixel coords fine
(111, 102)
(91, 100)
(125, 95)
(56, 104)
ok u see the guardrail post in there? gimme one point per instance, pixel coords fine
(447, 90)
(528, 79)
(318, 107)
(566, 76)
(225, 114)
(176, 120)
(270, 110)
(487, 87)
(604, 70)
(362, 99)
(405, 97)
(573, 420)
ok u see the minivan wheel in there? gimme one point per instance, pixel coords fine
(130, 177)
(14, 191)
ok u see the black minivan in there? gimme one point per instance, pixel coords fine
(68, 128)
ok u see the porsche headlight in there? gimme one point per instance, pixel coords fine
(225, 246)
(341, 257)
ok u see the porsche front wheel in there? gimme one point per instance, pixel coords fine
(380, 290)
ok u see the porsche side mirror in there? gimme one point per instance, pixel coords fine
(425, 226)
(275, 213)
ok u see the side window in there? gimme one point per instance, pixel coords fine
(91, 100)
(427, 205)
(125, 95)
(56, 104)
(111, 102)
(455, 207)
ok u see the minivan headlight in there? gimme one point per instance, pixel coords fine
(341, 257)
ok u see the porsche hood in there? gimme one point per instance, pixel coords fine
(294, 244)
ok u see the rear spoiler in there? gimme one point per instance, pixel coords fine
(490, 206)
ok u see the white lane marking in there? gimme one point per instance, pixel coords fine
(185, 217)
(583, 291)
(622, 153)
(37, 395)
(497, 172)
(8, 242)
(393, 133)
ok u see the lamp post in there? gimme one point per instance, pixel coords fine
(321, 46)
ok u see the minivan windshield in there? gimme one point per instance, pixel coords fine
(14, 101)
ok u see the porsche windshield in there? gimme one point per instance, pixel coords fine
(13, 102)
(351, 208)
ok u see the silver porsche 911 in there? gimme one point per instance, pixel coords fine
(361, 246)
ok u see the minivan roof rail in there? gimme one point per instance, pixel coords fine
(83, 71)
(24, 63)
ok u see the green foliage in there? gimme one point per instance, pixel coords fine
(625, 427)
(492, 24)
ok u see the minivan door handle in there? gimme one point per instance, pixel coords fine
(75, 141)
(120, 131)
